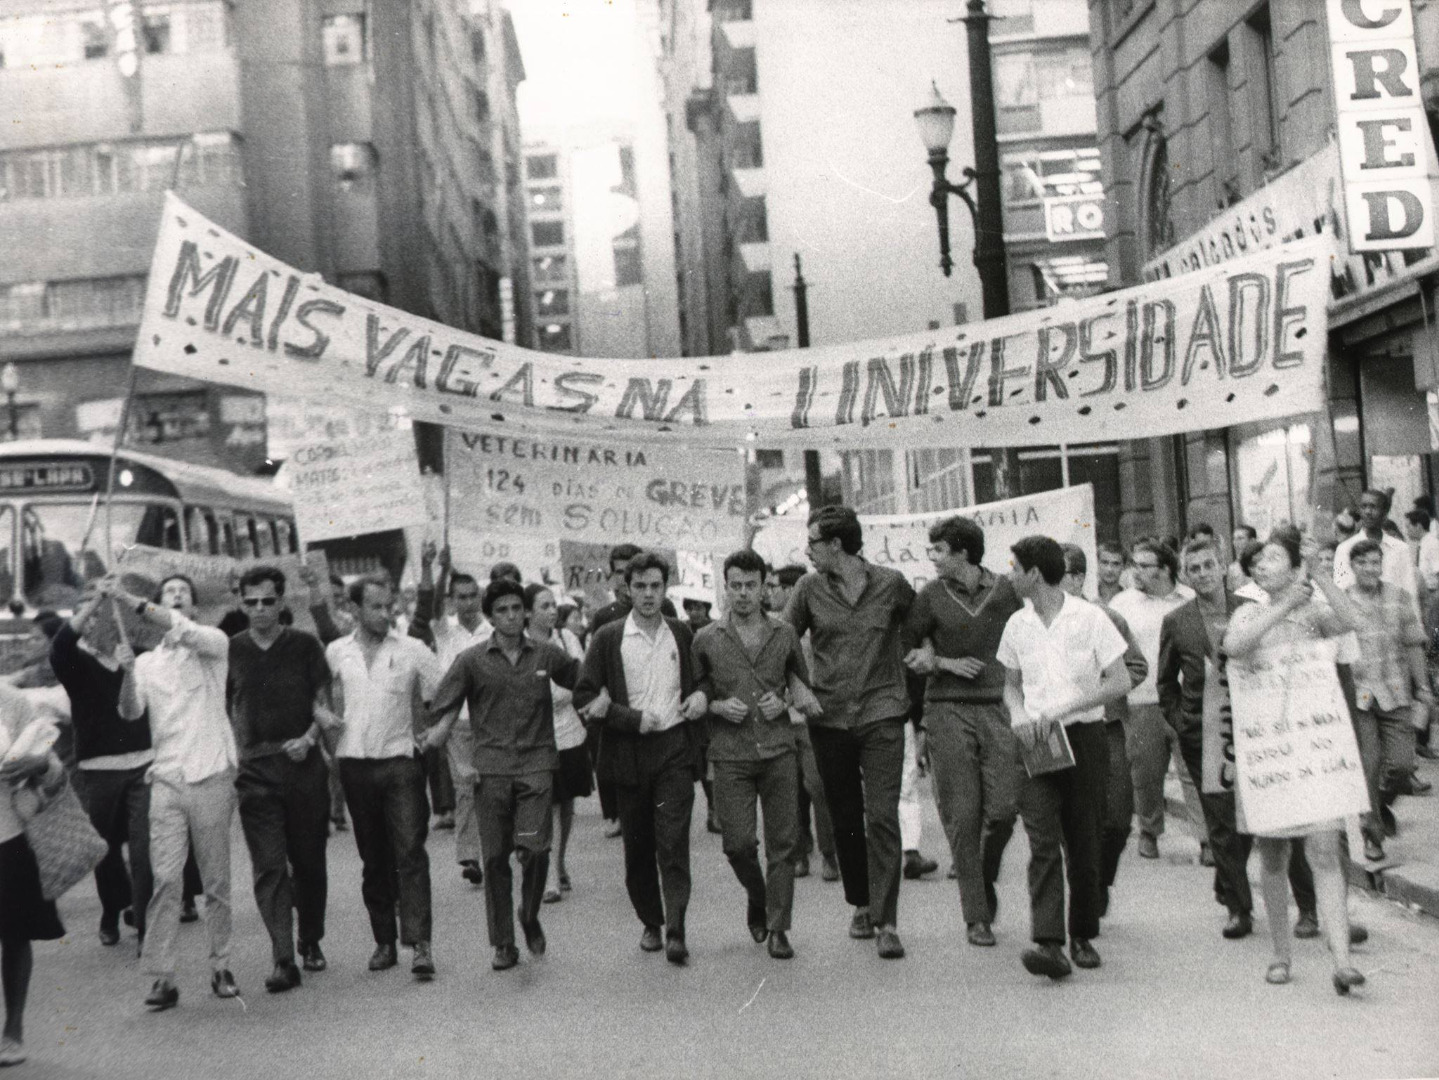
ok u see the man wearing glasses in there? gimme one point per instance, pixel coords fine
(278, 697)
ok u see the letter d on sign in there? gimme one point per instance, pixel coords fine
(1391, 215)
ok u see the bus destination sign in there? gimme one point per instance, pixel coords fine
(38, 477)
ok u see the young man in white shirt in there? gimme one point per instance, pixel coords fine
(1064, 661)
(180, 685)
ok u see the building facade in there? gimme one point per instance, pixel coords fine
(375, 144)
(550, 209)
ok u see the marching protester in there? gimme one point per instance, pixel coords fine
(25, 915)
(112, 758)
(180, 686)
(746, 663)
(854, 612)
(1399, 566)
(1109, 576)
(1063, 660)
(1117, 818)
(278, 697)
(961, 616)
(333, 620)
(1288, 613)
(506, 683)
(573, 776)
(639, 682)
(377, 675)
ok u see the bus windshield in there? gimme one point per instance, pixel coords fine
(53, 568)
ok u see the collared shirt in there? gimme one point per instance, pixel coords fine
(727, 669)
(964, 623)
(511, 711)
(1427, 560)
(1063, 660)
(379, 697)
(1145, 615)
(1398, 565)
(181, 686)
(652, 672)
(1388, 628)
(451, 639)
(859, 673)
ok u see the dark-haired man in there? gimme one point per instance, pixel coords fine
(1064, 661)
(277, 692)
(505, 684)
(1399, 569)
(745, 663)
(854, 612)
(962, 615)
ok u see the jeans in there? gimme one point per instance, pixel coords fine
(1118, 819)
(179, 812)
(1061, 813)
(284, 811)
(1230, 851)
(977, 773)
(1386, 746)
(775, 783)
(391, 819)
(655, 823)
(514, 814)
(862, 769)
(461, 751)
(118, 802)
(811, 794)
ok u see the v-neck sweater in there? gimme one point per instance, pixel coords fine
(964, 624)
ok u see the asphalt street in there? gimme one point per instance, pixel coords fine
(1172, 1000)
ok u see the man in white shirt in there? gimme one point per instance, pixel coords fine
(1398, 560)
(378, 675)
(1150, 741)
(180, 685)
(1064, 661)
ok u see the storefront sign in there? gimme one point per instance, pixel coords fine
(1238, 342)
(1384, 143)
(902, 540)
(1074, 217)
(356, 486)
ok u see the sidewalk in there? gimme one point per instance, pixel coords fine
(1410, 870)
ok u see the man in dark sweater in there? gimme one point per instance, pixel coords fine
(639, 681)
(277, 692)
(956, 622)
(112, 756)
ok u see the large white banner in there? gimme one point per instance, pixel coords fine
(901, 540)
(350, 487)
(1239, 342)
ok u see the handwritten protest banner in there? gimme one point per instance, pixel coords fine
(1237, 342)
(654, 496)
(1295, 750)
(901, 540)
(293, 422)
(1217, 747)
(355, 486)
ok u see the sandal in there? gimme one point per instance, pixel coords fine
(1347, 978)
(1278, 973)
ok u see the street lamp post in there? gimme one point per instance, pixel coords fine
(813, 476)
(10, 383)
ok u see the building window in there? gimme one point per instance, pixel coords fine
(761, 296)
(547, 233)
(548, 268)
(629, 269)
(97, 41)
(481, 106)
(1272, 474)
(81, 304)
(545, 199)
(477, 44)
(353, 166)
(1156, 221)
(155, 33)
(551, 302)
(1266, 97)
(1221, 127)
(542, 167)
(343, 39)
(555, 337)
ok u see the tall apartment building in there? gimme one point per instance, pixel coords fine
(374, 143)
(550, 207)
(1214, 116)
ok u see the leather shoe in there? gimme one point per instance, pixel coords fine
(163, 995)
(1083, 953)
(675, 950)
(1045, 960)
(650, 940)
(979, 933)
(423, 964)
(534, 938)
(286, 976)
(801, 866)
(383, 957)
(1345, 979)
(1373, 850)
(312, 959)
(759, 934)
(222, 984)
(506, 957)
(860, 927)
(779, 946)
(1148, 846)
(1307, 925)
(755, 920)
(889, 946)
(128, 916)
(188, 914)
(109, 935)
(471, 872)
(828, 868)
(916, 865)
(1240, 925)
(1358, 933)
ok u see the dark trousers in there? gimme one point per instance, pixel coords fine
(442, 785)
(655, 818)
(118, 802)
(1061, 812)
(1231, 853)
(609, 804)
(391, 819)
(862, 769)
(514, 815)
(1118, 817)
(284, 812)
(775, 783)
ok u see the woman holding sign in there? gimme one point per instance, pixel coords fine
(1288, 617)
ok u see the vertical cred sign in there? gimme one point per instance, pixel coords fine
(1385, 148)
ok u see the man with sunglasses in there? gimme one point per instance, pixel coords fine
(278, 696)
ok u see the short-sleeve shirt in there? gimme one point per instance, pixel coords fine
(1388, 628)
(1061, 661)
(271, 692)
(379, 697)
(1399, 569)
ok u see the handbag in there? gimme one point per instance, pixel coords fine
(66, 846)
